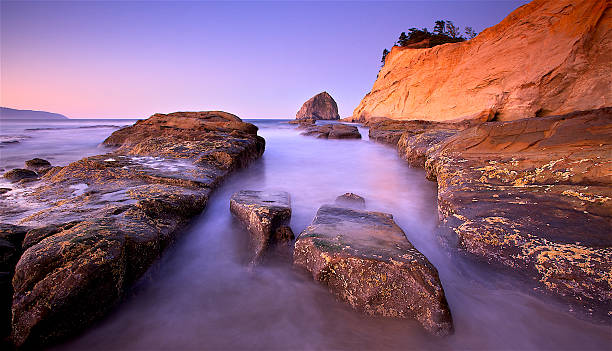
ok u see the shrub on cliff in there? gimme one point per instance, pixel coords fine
(443, 32)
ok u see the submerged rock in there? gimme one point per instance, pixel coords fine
(350, 200)
(20, 174)
(105, 219)
(266, 215)
(320, 106)
(332, 131)
(365, 259)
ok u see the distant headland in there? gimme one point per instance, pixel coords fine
(12, 114)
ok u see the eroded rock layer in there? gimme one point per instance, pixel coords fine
(548, 57)
(102, 221)
(532, 195)
(365, 259)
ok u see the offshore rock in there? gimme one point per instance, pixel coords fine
(350, 200)
(103, 220)
(266, 216)
(320, 106)
(533, 196)
(331, 131)
(365, 260)
(502, 74)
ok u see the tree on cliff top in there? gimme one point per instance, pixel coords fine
(470, 33)
(440, 27)
(384, 56)
(403, 39)
(452, 30)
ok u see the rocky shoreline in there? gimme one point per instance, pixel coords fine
(531, 196)
(100, 222)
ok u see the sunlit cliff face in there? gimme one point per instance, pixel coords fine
(533, 63)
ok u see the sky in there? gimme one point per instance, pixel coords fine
(256, 59)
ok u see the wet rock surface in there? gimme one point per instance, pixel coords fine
(100, 222)
(266, 216)
(533, 196)
(350, 200)
(11, 237)
(331, 131)
(38, 165)
(20, 174)
(320, 106)
(365, 260)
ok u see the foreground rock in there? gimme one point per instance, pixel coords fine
(365, 259)
(38, 165)
(266, 215)
(20, 174)
(350, 200)
(533, 196)
(11, 237)
(105, 219)
(320, 106)
(331, 131)
(488, 77)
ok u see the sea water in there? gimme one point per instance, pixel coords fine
(203, 295)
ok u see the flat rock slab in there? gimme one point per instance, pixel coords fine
(365, 259)
(331, 131)
(266, 215)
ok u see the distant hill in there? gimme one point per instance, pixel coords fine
(11, 114)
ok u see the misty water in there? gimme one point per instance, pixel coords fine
(203, 295)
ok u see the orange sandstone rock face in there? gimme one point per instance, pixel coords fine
(548, 57)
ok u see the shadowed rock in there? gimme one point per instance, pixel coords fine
(266, 215)
(350, 200)
(365, 259)
(11, 237)
(38, 165)
(320, 106)
(20, 174)
(331, 131)
(103, 220)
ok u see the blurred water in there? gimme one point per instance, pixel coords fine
(58, 141)
(203, 296)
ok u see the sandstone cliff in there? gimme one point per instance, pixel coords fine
(547, 57)
(320, 106)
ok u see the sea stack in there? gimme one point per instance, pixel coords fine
(320, 106)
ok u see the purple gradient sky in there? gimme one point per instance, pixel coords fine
(117, 59)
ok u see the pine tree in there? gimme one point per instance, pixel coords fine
(440, 27)
(385, 53)
(451, 30)
(403, 39)
(470, 33)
